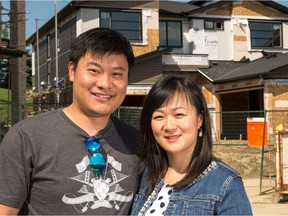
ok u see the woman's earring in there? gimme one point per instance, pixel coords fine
(200, 134)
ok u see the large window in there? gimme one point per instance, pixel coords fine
(265, 34)
(128, 23)
(170, 33)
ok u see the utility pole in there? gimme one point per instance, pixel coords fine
(17, 65)
(56, 43)
(38, 56)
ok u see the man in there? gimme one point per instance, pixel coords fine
(80, 159)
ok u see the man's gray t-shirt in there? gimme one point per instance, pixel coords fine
(45, 167)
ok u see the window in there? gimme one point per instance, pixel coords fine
(48, 46)
(170, 33)
(128, 23)
(264, 34)
(213, 25)
(48, 71)
(58, 38)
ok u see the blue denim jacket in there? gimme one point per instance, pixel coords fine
(219, 190)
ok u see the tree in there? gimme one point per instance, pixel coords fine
(5, 31)
(4, 73)
(28, 71)
(4, 63)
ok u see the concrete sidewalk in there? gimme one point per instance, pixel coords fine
(264, 204)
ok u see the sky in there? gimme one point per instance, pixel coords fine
(43, 10)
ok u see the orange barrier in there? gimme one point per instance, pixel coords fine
(255, 130)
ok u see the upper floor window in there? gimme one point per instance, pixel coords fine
(213, 25)
(170, 33)
(265, 34)
(48, 46)
(128, 23)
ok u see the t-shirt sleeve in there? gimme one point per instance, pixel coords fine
(15, 168)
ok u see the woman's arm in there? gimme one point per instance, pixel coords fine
(235, 200)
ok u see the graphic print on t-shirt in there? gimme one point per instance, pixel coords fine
(98, 191)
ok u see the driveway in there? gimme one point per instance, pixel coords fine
(264, 204)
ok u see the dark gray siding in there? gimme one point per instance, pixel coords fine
(144, 71)
(67, 33)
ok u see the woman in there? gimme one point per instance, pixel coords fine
(180, 176)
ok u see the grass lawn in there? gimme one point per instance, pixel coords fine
(4, 95)
(4, 99)
(5, 115)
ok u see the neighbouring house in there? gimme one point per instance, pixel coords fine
(235, 50)
(245, 45)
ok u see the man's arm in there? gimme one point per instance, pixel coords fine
(6, 210)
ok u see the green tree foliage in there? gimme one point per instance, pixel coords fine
(4, 73)
(28, 71)
(5, 31)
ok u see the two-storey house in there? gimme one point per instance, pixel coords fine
(235, 50)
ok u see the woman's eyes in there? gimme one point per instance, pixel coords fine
(158, 117)
(176, 115)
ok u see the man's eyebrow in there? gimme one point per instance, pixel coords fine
(92, 63)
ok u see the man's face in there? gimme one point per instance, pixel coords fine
(99, 83)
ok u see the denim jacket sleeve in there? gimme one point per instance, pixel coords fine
(234, 198)
(219, 191)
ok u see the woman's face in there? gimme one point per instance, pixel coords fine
(175, 126)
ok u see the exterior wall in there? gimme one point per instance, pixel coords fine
(216, 43)
(84, 18)
(144, 72)
(150, 33)
(212, 104)
(234, 42)
(42, 59)
(66, 35)
(88, 18)
(276, 94)
(187, 40)
(252, 8)
(243, 11)
(276, 102)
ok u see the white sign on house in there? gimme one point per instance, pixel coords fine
(279, 82)
(179, 59)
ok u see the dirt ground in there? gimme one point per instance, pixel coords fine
(259, 182)
(247, 160)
